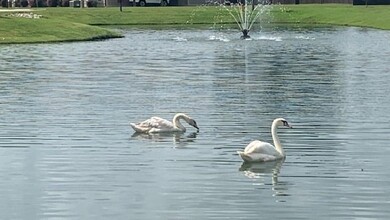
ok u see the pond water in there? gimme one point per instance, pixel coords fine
(67, 150)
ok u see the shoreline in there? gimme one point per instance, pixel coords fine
(62, 24)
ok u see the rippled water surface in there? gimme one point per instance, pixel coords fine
(67, 150)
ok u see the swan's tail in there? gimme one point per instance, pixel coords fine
(133, 126)
(244, 156)
(136, 128)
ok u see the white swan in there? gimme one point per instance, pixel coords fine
(258, 151)
(160, 125)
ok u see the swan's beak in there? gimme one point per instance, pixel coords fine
(197, 129)
(193, 123)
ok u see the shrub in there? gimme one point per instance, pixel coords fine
(92, 3)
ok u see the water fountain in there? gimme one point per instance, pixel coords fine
(246, 13)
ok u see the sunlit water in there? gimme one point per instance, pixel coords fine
(67, 150)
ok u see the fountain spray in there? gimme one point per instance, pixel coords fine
(245, 16)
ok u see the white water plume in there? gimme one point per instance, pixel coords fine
(246, 14)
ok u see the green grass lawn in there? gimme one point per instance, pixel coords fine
(74, 24)
(336, 14)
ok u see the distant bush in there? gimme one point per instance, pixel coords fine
(52, 3)
(64, 3)
(23, 3)
(18, 3)
(92, 3)
(37, 3)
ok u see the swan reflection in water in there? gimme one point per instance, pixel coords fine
(179, 139)
(261, 171)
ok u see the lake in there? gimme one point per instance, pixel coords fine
(67, 150)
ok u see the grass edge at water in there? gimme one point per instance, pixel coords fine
(78, 24)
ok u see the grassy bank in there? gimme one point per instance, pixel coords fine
(73, 24)
(336, 14)
(54, 28)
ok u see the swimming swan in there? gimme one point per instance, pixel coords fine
(159, 125)
(258, 151)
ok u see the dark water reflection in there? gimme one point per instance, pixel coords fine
(265, 176)
(67, 150)
(179, 140)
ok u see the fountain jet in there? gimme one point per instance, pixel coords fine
(245, 34)
(245, 16)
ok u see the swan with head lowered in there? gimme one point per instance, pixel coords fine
(259, 151)
(160, 125)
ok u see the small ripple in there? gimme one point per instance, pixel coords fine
(180, 39)
(270, 38)
(219, 38)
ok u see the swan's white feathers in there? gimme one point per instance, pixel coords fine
(256, 157)
(160, 125)
(153, 124)
(157, 122)
(260, 147)
(259, 151)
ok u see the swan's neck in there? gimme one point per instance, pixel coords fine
(275, 137)
(177, 123)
